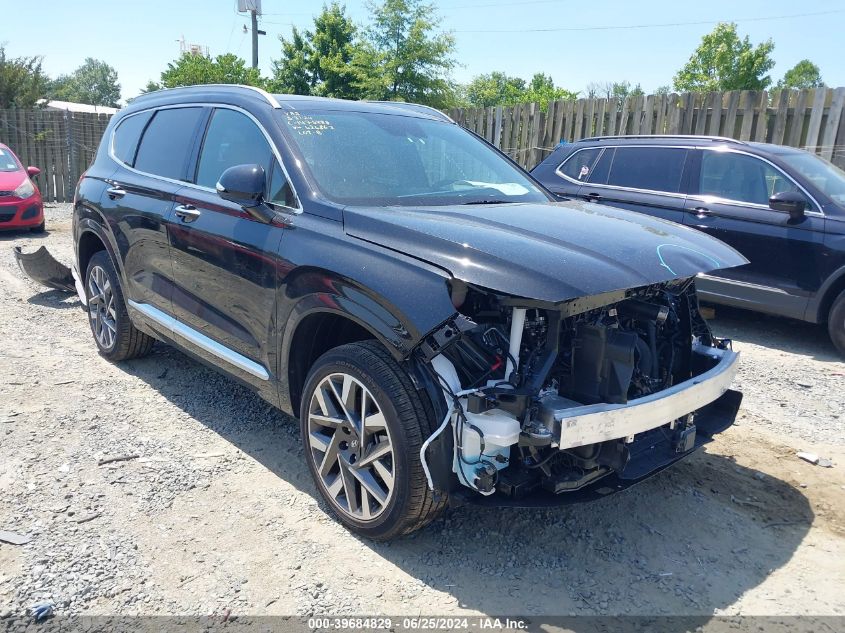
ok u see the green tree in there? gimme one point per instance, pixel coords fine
(498, 88)
(542, 90)
(94, 82)
(22, 81)
(320, 61)
(292, 72)
(805, 74)
(724, 61)
(152, 86)
(191, 69)
(494, 89)
(613, 90)
(333, 49)
(403, 56)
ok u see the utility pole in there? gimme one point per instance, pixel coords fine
(253, 7)
(254, 14)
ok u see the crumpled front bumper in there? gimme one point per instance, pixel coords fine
(591, 424)
(42, 267)
(653, 448)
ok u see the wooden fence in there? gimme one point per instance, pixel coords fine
(62, 144)
(810, 119)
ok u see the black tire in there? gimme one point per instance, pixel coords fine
(38, 229)
(125, 341)
(836, 323)
(410, 504)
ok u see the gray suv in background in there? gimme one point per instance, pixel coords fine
(781, 207)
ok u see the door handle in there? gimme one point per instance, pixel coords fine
(187, 212)
(593, 197)
(115, 192)
(701, 211)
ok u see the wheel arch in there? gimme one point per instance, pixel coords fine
(92, 238)
(819, 307)
(315, 332)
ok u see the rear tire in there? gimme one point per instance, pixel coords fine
(836, 323)
(377, 497)
(116, 338)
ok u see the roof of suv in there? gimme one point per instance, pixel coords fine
(674, 139)
(289, 103)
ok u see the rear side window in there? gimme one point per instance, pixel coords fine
(580, 164)
(651, 168)
(232, 139)
(167, 141)
(126, 136)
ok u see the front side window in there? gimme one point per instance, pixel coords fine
(740, 178)
(126, 136)
(579, 165)
(651, 168)
(279, 190)
(232, 139)
(826, 176)
(167, 142)
(366, 158)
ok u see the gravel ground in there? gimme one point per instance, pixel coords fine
(218, 513)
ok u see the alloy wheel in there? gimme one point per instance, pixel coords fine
(101, 309)
(350, 446)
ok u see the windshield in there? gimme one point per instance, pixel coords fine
(824, 175)
(7, 161)
(374, 159)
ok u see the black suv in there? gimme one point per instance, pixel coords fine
(781, 207)
(443, 329)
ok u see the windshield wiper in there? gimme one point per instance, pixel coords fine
(490, 201)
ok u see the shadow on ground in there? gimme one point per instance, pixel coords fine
(797, 337)
(691, 540)
(55, 299)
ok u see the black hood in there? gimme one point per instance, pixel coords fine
(549, 252)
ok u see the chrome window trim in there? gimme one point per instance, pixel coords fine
(817, 212)
(668, 194)
(204, 104)
(202, 341)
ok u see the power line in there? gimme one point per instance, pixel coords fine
(623, 27)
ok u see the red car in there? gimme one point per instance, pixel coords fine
(20, 201)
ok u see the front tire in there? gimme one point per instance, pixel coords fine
(116, 338)
(836, 323)
(39, 228)
(362, 425)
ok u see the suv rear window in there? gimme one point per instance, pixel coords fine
(126, 136)
(167, 141)
(580, 164)
(651, 168)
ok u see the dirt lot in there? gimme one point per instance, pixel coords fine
(219, 512)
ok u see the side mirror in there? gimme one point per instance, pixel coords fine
(790, 202)
(32, 171)
(244, 185)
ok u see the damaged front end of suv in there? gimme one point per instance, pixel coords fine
(576, 362)
(546, 400)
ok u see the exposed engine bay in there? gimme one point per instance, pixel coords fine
(552, 398)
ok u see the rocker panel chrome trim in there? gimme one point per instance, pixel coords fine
(201, 340)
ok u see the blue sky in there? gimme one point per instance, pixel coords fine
(611, 40)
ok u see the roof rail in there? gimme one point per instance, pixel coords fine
(418, 107)
(715, 139)
(263, 93)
